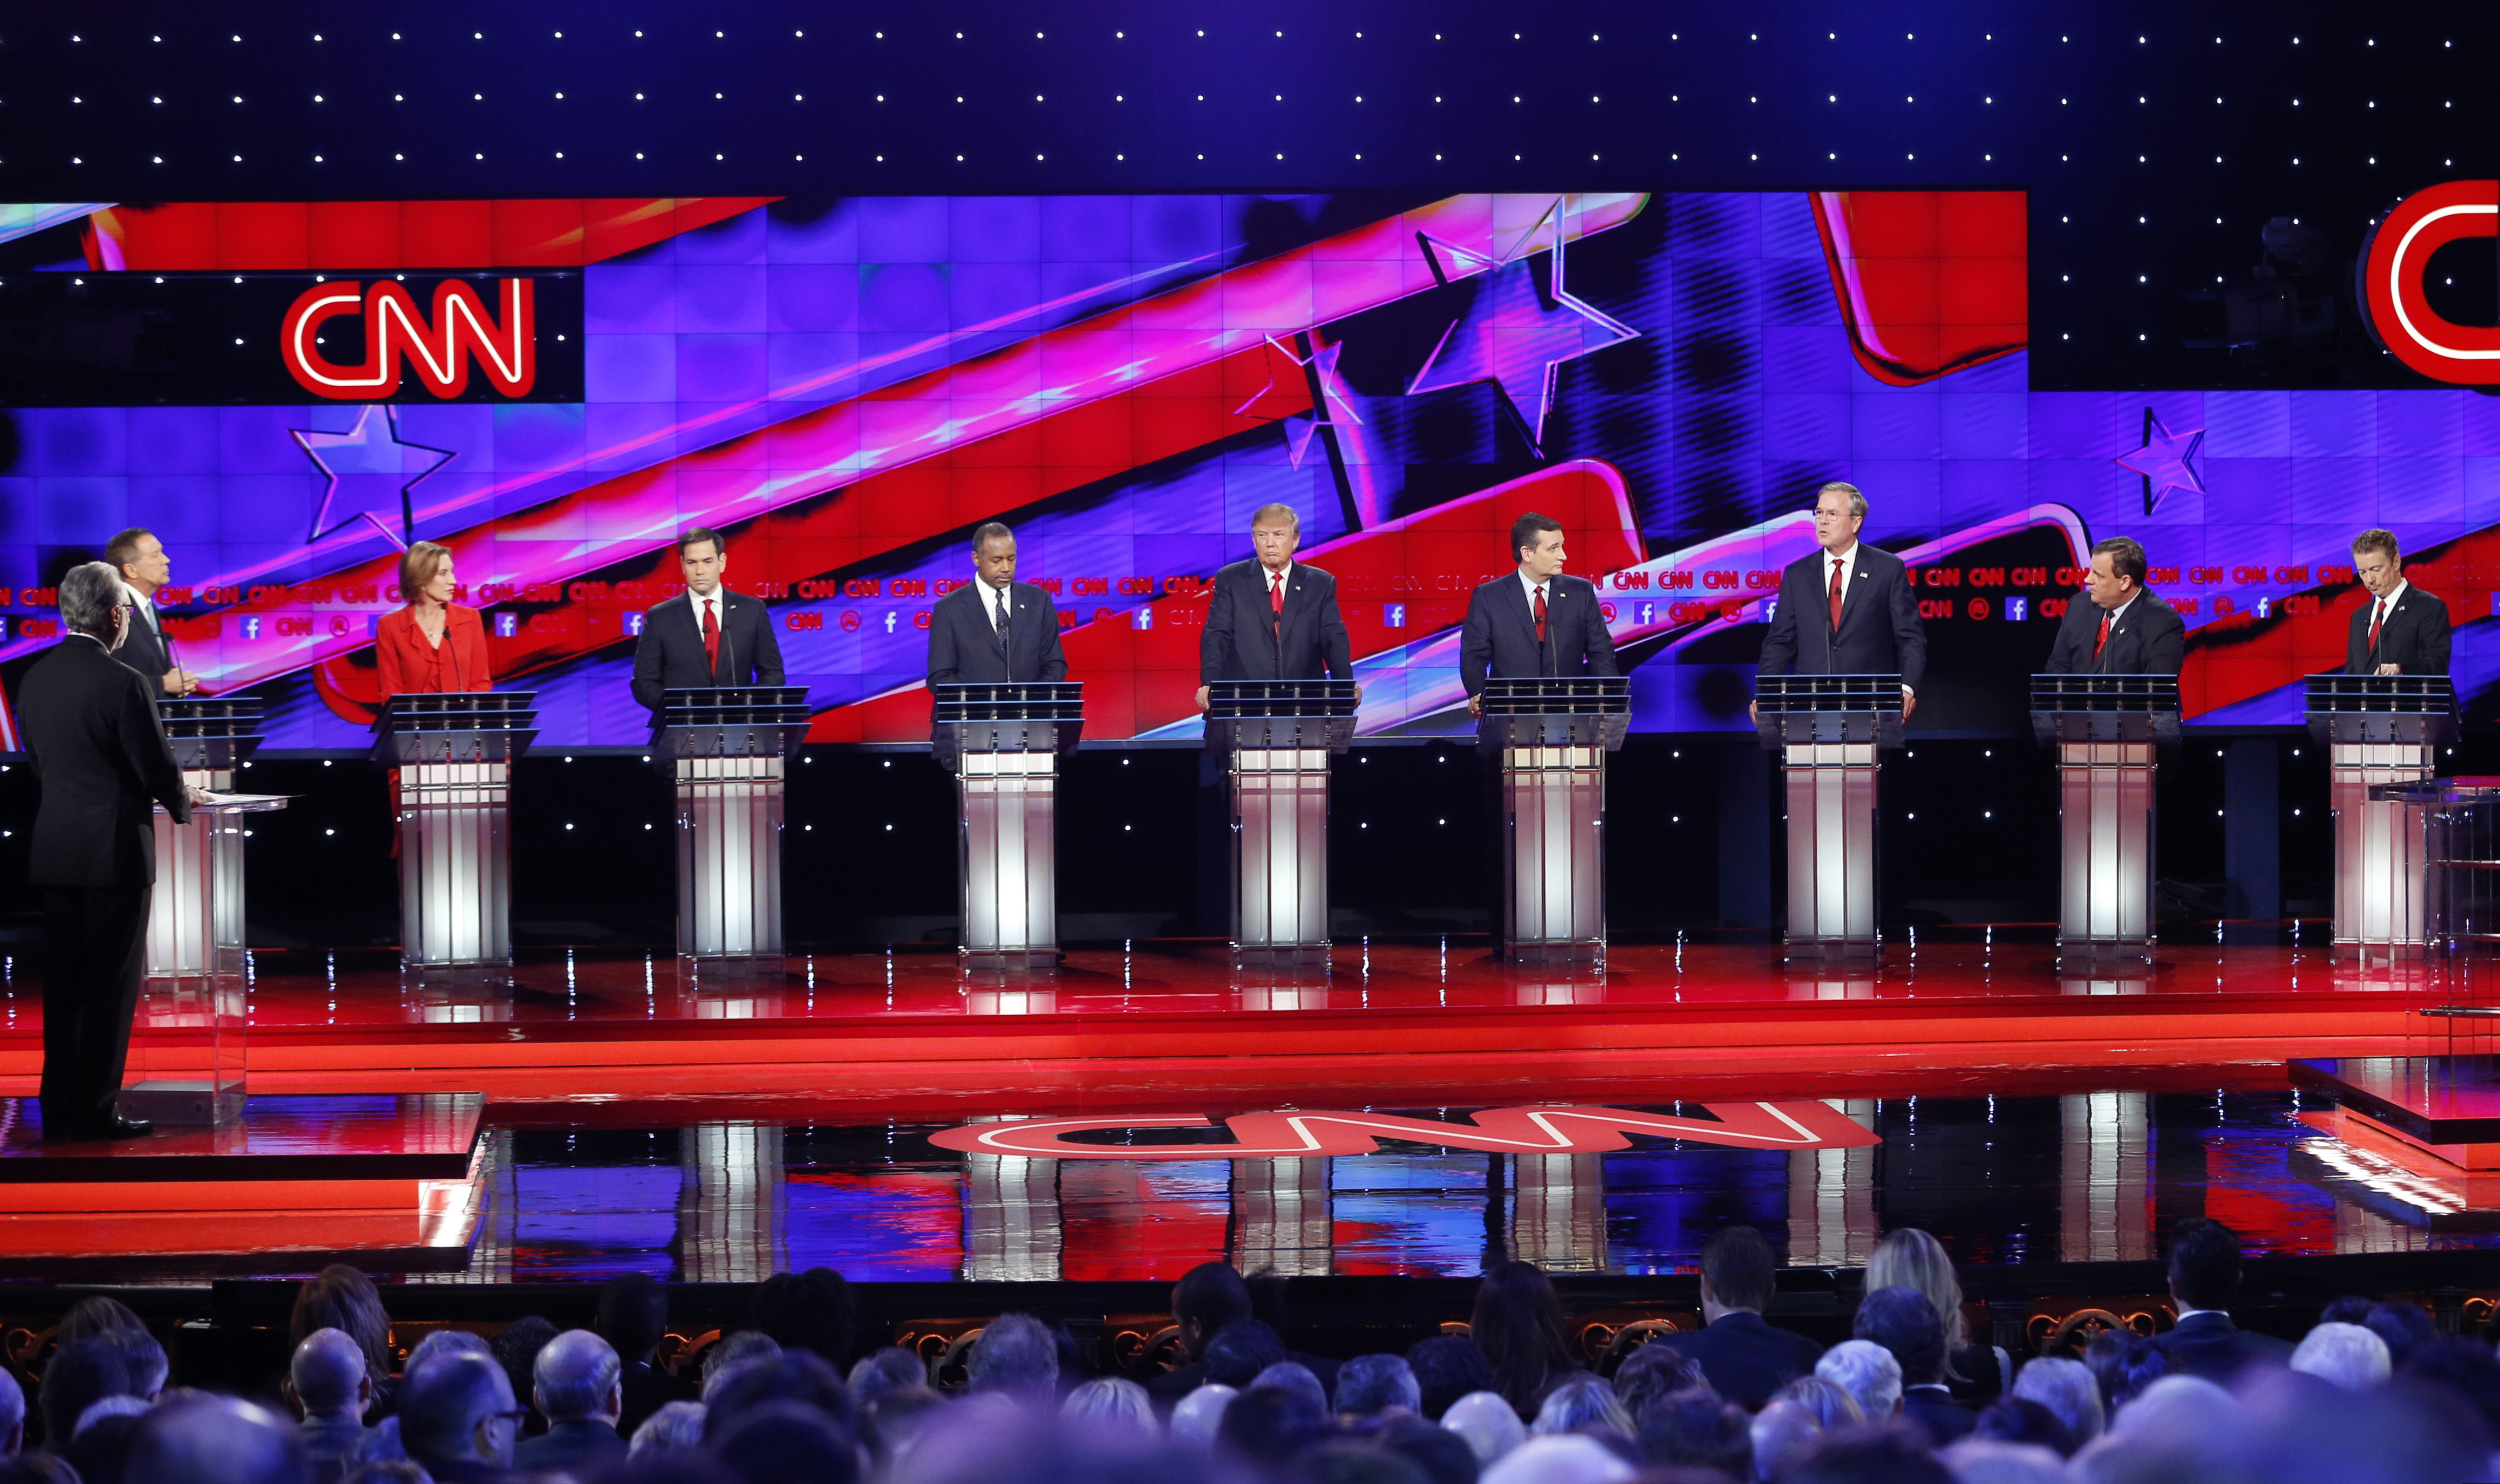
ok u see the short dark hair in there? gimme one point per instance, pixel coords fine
(1875, 1453)
(2124, 1363)
(694, 534)
(1448, 1367)
(1654, 1373)
(124, 549)
(79, 1375)
(1904, 1322)
(1526, 530)
(2383, 542)
(2205, 1263)
(1737, 1264)
(1212, 1294)
(1695, 1428)
(796, 1376)
(811, 1311)
(991, 531)
(2126, 554)
(633, 1316)
(1239, 1351)
(2022, 1420)
(788, 1440)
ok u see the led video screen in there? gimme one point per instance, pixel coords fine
(287, 394)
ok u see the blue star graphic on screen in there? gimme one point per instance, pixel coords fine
(1335, 403)
(2163, 460)
(371, 469)
(1514, 335)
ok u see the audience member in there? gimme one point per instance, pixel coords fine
(1112, 1405)
(1199, 1416)
(1745, 1358)
(1447, 1366)
(1977, 1460)
(575, 1383)
(889, 1370)
(1902, 1321)
(1910, 1258)
(1782, 1433)
(1237, 1355)
(450, 1341)
(1872, 1453)
(80, 1374)
(2404, 1327)
(1583, 1404)
(1344, 1459)
(1369, 1385)
(38, 1467)
(516, 1349)
(2022, 1420)
(2124, 1363)
(634, 1319)
(1830, 1405)
(13, 1415)
(328, 1379)
(1567, 1459)
(1271, 1304)
(1266, 1426)
(2066, 1388)
(1444, 1457)
(1695, 1428)
(2204, 1279)
(340, 1297)
(1296, 1377)
(205, 1439)
(810, 1310)
(1487, 1423)
(1867, 1373)
(788, 1443)
(1017, 1357)
(106, 1434)
(732, 1352)
(98, 1314)
(1208, 1299)
(2466, 1370)
(675, 1429)
(457, 1416)
(1518, 1324)
(796, 1376)
(1654, 1371)
(2346, 1354)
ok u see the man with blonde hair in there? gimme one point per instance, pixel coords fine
(1273, 618)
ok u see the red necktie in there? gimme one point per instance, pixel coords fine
(711, 639)
(1835, 594)
(2101, 641)
(1276, 594)
(2378, 615)
(1541, 613)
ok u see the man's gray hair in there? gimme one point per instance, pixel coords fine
(89, 593)
(2350, 1356)
(1868, 1372)
(1015, 1353)
(676, 1428)
(1292, 517)
(1369, 1385)
(991, 531)
(1857, 498)
(2066, 1388)
(733, 1353)
(573, 1375)
(12, 1404)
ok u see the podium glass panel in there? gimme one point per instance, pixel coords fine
(452, 754)
(185, 1066)
(727, 750)
(1828, 731)
(1278, 737)
(2106, 730)
(1002, 743)
(199, 896)
(2380, 731)
(1554, 735)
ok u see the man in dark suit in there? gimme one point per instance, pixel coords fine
(1273, 618)
(1905, 1322)
(2117, 628)
(574, 1382)
(1863, 619)
(2204, 1278)
(140, 559)
(995, 629)
(1533, 620)
(1745, 1359)
(709, 637)
(2402, 629)
(103, 763)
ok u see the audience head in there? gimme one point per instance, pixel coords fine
(1654, 1371)
(1207, 1299)
(86, 596)
(2405, 1327)
(1344, 1460)
(105, 1435)
(450, 1342)
(1737, 1268)
(1782, 1433)
(1910, 1258)
(13, 1415)
(1297, 1377)
(205, 1439)
(1197, 1416)
(2066, 1388)
(795, 1376)
(886, 1370)
(340, 1297)
(811, 1311)
(1872, 1453)
(143, 1358)
(1979, 1460)
(734, 1352)
(788, 1443)
(1518, 1324)
(2185, 1402)
(1447, 1366)
(2122, 1364)
(1695, 1428)
(1489, 1425)
(2022, 1420)
(1830, 1405)
(98, 1314)
(1016, 1355)
(80, 1374)
(2466, 1370)
(1444, 1457)
(576, 1379)
(1369, 1385)
(675, 1428)
(457, 1407)
(1111, 1403)
(1581, 1404)
(633, 1316)
(1241, 1350)
(2204, 1264)
(39, 1467)
(516, 1349)
(329, 1376)
(1868, 1372)
(1267, 1424)
(1902, 1321)
(1567, 1459)
(2348, 1355)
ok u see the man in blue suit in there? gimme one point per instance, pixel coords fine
(995, 630)
(1533, 621)
(2117, 628)
(1273, 618)
(1847, 609)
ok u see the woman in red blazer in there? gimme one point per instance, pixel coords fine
(432, 644)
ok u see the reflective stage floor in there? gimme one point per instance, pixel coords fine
(848, 1114)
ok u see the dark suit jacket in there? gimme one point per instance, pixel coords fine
(1934, 1409)
(1499, 639)
(2209, 1345)
(146, 650)
(2415, 635)
(648, 1389)
(1243, 641)
(103, 761)
(581, 1449)
(1745, 1358)
(964, 645)
(1879, 633)
(2149, 639)
(669, 653)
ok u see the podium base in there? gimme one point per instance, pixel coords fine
(1583, 955)
(455, 976)
(2091, 950)
(1282, 955)
(2353, 951)
(1842, 950)
(699, 970)
(992, 960)
(182, 1103)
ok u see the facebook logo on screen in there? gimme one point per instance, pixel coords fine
(2018, 608)
(1392, 615)
(507, 625)
(1141, 618)
(634, 624)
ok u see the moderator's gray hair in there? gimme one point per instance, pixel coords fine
(676, 1428)
(89, 593)
(1369, 1385)
(991, 531)
(574, 1373)
(1016, 1352)
(2066, 1388)
(1856, 499)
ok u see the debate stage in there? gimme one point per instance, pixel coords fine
(603, 1114)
